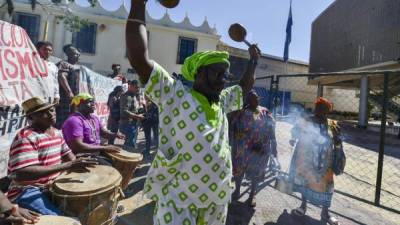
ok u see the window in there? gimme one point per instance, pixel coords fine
(31, 24)
(186, 48)
(85, 39)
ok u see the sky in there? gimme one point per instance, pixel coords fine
(265, 20)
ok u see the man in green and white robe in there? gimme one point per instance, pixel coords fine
(192, 169)
(190, 177)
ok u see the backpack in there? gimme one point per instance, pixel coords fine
(339, 157)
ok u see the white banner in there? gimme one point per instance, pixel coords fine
(100, 87)
(23, 75)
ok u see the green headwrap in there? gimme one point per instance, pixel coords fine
(192, 63)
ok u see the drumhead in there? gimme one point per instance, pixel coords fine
(57, 220)
(127, 156)
(98, 178)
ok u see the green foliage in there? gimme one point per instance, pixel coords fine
(73, 23)
(10, 4)
(370, 108)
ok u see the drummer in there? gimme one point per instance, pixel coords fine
(82, 130)
(38, 154)
(12, 214)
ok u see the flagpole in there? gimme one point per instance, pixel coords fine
(286, 50)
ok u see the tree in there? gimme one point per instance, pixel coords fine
(73, 23)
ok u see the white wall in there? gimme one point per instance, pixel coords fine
(164, 45)
(110, 43)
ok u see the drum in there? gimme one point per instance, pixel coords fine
(125, 162)
(57, 220)
(90, 196)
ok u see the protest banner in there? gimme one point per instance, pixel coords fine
(100, 87)
(23, 75)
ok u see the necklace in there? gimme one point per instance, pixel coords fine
(92, 126)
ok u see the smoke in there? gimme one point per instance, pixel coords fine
(305, 134)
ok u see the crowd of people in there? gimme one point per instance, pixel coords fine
(209, 137)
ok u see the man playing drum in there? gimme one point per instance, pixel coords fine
(82, 130)
(190, 177)
(12, 214)
(37, 156)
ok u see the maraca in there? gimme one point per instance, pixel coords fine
(169, 3)
(238, 33)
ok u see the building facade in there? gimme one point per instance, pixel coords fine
(355, 33)
(292, 90)
(102, 43)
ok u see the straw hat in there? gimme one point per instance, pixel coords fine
(34, 105)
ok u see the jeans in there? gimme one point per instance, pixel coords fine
(130, 130)
(35, 199)
(147, 134)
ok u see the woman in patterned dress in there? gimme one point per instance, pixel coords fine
(253, 140)
(315, 139)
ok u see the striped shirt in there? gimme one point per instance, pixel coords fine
(30, 148)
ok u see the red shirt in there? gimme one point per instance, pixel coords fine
(31, 147)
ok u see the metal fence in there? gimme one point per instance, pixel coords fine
(372, 172)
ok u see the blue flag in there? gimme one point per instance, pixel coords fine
(288, 34)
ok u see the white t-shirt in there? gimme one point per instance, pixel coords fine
(53, 75)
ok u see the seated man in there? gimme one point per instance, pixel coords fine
(38, 154)
(12, 214)
(82, 130)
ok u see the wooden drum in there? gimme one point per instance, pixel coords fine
(125, 162)
(90, 196)
(57, 220)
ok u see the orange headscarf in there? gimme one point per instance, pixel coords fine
(324, 103)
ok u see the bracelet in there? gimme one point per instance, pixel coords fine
(137, 21)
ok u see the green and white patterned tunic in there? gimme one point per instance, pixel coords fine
(193, 166)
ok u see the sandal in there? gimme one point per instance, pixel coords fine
(332, 221)
(300, 212)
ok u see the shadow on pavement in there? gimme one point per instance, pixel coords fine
(138, 181)
(286, 219)
(140, 216)
(369, 140)
(239, 214)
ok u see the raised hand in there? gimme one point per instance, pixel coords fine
(254, 52)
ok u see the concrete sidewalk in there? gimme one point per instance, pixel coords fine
(273, 207)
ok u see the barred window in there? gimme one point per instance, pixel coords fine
(186, 48)
(85, 39)
(31, 24)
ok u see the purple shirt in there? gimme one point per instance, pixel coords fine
(78, 126)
